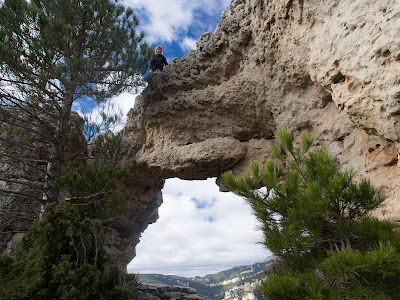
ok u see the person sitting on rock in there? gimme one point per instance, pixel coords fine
(159, 61)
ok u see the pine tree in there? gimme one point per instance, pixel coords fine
(62, 257)
(315, 219)
(53, 53)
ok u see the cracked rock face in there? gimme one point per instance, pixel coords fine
(327, 67)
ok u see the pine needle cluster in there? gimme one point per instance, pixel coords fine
(315, 218)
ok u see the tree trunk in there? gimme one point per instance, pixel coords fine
(56, 159)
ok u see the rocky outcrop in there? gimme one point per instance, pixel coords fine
(155, 291)
(143, 190)
(242, 292)
(330, 68)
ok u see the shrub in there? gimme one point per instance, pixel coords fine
(61, 257)
(314, 216)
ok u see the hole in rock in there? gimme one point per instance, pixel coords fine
(386, 53)
(200, 231)
(338, 78)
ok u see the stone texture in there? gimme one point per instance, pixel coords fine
(194, 161)
(155, 291)
(330, 68)
(123, 233)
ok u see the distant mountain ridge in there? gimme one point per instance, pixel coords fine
(238, 282)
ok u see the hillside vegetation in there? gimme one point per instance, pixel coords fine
(226, 284)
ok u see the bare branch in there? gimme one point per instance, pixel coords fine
(21, 194)
(12, 118)
(25, 162)
(25, 183)
(102, 193)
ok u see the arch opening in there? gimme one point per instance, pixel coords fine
(200, 231)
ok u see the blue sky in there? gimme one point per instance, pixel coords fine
(200, 230)
(177, 24)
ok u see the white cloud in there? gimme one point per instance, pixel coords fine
(165, 18)
(124, 102)
(77, 107)
(190, 241)
(121, 103)
(188, 44)
(164, 21)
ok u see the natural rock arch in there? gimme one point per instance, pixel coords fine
(326, 67)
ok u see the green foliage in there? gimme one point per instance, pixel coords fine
(89, 44)
(107, 145)
(53, 53)
(61, 257)
(314, 216)
(284, 287)
(376, 271)
(288, 284)
(93, 190)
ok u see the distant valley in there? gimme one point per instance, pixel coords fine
(235, 283)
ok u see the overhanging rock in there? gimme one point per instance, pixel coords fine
(330, 68)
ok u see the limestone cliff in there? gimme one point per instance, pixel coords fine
(330, 68)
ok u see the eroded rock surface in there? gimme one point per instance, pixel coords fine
(330, 68)
(155, 291)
